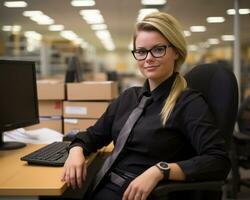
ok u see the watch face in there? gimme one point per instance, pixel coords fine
(163, 165)
(165, 169)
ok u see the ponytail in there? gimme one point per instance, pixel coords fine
(178, 86)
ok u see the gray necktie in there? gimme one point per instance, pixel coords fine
(122, 138)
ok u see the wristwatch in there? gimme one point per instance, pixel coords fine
(164, 168)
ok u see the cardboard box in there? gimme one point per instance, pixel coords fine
(88, 76)
(92, 110)
(246, 93)
(50, 108)
(100, 76)
(50, 90)
(77, 124)
(55, 124)
(92, 90)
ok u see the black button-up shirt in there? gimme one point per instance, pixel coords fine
(190, 137)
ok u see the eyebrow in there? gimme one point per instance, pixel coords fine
(159, 44)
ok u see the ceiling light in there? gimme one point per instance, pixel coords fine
(145, 11)
(242, 11)
(231, 11)
(42, 19)
(16, 28)
(69, 35)
(227, 37)
(33, 35)
(46, 22)
(31, 13)
(187, 33)
(94, 20)
(215, 19)
(6, 28)
(213, 41)
(103, 34)
(108, 44)
(105, 39)
(204, 45)
(90, 12)
(39, 17)
(92, 16)
(98, 26)
(110, 47)
(192, 48)
(79, 3)
(15, 4)
(198, 28)
(153, 2)
(56, 27)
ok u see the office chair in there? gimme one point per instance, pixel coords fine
(219, 88)
(241, 148)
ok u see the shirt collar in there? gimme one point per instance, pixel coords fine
(162, 90)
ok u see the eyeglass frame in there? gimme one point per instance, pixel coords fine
(150, 50)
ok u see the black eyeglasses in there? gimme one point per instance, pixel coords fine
(156, 51)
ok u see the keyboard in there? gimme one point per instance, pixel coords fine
(53, 154)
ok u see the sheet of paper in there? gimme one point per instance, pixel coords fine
(37, 136)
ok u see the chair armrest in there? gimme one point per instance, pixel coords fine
(164, 188)
(241, 136)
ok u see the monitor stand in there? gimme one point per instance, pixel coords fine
(9, 145)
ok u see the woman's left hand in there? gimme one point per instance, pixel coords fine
(142, 186)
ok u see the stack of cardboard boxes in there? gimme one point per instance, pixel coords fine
(86, 102)
(51, 94)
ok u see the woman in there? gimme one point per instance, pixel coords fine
(175, 137)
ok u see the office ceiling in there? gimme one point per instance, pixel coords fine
(120, 16)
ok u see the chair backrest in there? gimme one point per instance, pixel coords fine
(219, 87)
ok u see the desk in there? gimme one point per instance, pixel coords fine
(17, 178)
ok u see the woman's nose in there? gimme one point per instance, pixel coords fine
(149, 57)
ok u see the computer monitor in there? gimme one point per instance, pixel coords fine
(73, 71)
(18, 98)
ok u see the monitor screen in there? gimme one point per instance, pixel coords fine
(18, 102)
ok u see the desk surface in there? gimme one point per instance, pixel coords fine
(17, 178)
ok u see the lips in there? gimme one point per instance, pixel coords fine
(150, 67)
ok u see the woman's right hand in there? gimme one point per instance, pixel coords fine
(74, 170)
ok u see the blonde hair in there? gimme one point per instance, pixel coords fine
(170, 28)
